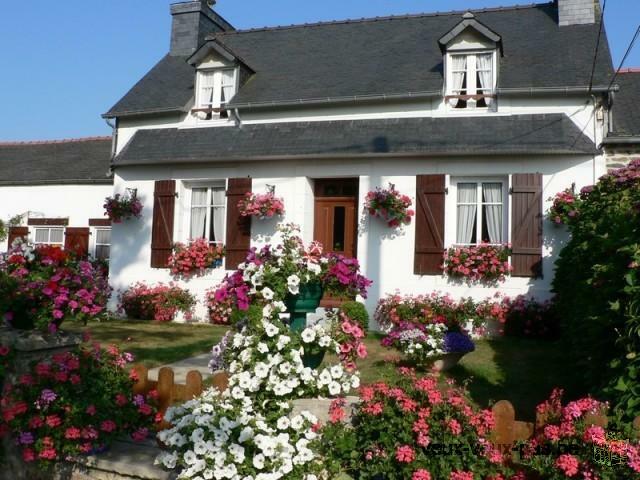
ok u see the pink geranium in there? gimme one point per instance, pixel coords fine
(195, 258)
(261, 205)
(389, 205)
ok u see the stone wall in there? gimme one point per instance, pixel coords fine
(619, 156)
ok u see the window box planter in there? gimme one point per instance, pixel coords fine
(478, 263)
(195, 258)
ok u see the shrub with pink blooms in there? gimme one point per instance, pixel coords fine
(42, 286)
(565, 207)
(413, 430)
(156, 302)
(123, 206)
(349, 335)
(195, 258)
(571, 444)
(389, 205)
(478, 263)
(75, 403)
(261, 205)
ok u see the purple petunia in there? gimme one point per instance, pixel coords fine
(456, 342)
(48, 396)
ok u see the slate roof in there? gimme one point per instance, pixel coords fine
(491, 135)
(77, 161)
(383, 56)
(626, 108)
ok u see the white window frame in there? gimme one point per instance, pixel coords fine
(94, 234)
(472, 87)
(210, 186)
(452, 208)
(49, 229)
(216, 102)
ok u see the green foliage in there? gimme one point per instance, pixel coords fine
(357, 312)
(597, 288)
(4, 226)
(252, 316)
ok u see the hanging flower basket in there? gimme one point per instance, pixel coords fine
(389, 205)
(195, 258)
(565, 207)
(123, 207)
(261, 205)
(478, 263)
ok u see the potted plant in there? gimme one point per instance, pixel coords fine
(195, 258)
(483, 263)
(389, 205)
(123, 207)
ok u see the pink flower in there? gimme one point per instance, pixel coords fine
(568, 464)
(405, 454)
(458, 475)
(595, 434)
(421, 475)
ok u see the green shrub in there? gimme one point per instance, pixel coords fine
(357, 312)
(597, 285)
(252, 316)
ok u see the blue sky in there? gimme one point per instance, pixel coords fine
(64, 63)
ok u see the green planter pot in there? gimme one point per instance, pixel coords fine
(307, 301)
(312, 360)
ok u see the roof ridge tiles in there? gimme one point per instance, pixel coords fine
(54, 142)
(629, 70)
(378, 19)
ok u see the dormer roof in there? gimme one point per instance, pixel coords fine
(469, 21)
(212, 45)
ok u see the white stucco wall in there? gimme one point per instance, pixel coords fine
(77, 202)
(387, 257)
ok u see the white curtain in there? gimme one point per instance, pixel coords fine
(458, 73)
(484, 65)
(218, 215)
(228, 85)
(492, 193)
(467, 194)
(198, 213)
(207, 83)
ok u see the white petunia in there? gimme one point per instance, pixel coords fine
(267, 293)
(262, 347)
(337, 371)
(334, 388)
(261, 370)
(245, 434)
(308, 335)
(270, 329)
(324, 341)
(283, 423)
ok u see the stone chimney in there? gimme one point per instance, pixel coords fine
(578, 12)
(191, 23)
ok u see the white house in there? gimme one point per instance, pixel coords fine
(622, 143)
(478, 116)
(54, 191)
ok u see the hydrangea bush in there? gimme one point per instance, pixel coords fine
(42, 286)
(478, 263)
(156, 302)
(195, 258)
(75, 403)
(123, 207)
(261, 205)
(389, 205)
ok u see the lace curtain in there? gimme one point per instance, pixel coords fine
(459, 72)
(467, 210)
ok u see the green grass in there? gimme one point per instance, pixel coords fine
(519, 370)
(152, 343)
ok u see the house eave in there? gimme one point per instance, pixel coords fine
(622, 140)
(36, 183)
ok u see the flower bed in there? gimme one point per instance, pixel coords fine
(66, 406)
(570, 445)
(481, 263)
(389, 205)
(519, 316)
(413, 430)
(123, 207)
(158, 302)
(565, 207)
(261, 205)
(42, 286)
(195, 258)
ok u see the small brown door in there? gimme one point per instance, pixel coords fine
(336, 212)
(77, 241)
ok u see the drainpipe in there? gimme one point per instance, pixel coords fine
(114, 143)
(595, 133)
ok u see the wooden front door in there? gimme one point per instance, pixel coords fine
(336, 215)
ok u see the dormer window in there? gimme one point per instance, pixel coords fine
(471, 80)
(215, 89)
(470, 52)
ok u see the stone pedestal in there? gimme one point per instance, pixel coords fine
(320, 407)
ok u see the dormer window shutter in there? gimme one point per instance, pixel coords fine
(17, 232)
(164, 200)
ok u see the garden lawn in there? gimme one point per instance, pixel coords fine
(519, 370)
(153, 343)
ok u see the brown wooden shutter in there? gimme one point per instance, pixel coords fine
(17, 232)
(164, 201)
(238, 239)
(526, 221)
(430, 195)
(76, 240)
